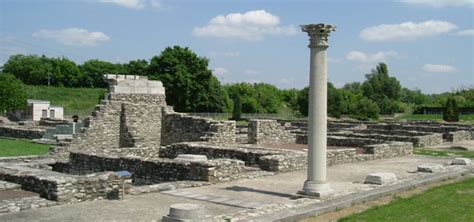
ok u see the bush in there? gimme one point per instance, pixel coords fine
(451, 112)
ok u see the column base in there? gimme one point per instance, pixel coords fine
(316, 189)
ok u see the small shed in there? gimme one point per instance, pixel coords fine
(37, 109)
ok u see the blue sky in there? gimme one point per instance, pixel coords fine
(428, 44)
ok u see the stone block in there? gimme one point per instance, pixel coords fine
(461, 161)
(191, 157)
(380, 178)
(184, 212)
(430, 168)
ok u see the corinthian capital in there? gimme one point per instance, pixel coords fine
(318, 34)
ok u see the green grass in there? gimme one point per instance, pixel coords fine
(17, 147)
(80, 101)
(446, 152)
(462, 118)
(451, 202)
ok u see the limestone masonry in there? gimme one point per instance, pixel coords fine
(134, 130)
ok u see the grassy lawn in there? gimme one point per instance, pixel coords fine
(462, 118)
(451, 202)
(453, 152)
(79, 101)
(17, 147)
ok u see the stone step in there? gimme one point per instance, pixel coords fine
(215, 199)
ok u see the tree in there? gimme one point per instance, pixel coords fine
(382, 89)
(95, 69)
(334, 101)
(30, 69)
(12, 93)
(237, 110)
(451, 113)
(268, 97)
(366, 109)
(189, 83)
(137, 67)
(303, 101)
(248, 96)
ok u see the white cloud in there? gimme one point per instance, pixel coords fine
(439, 68)
(135, 4)
(73, 36)
(406, 30)
(251, 25)
(467, 32)
(440, 3)
(219, 71)
(251, 72)
(382, 56)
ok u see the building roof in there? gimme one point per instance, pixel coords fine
(37, 101)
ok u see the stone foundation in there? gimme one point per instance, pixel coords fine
(21, 133)
(268, 132)
(156, 170)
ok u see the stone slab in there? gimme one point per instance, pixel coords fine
(430, 168)
(461, 161)
(380, 178)
(191, 157)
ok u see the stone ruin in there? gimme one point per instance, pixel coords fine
(134, 130)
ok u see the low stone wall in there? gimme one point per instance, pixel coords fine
(438, 128)
(268, 132)
(180, 127)
(458, 136)
(155, 170)
(292, 162)
(425, 140)
(22, 133)
(65, 188)
(249, 156)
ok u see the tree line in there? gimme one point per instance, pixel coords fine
(191, 86)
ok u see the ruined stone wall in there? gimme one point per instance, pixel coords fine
(458, 136)
(123, 120)
(425, 140)
(249, 156)
(67, 188)
(22, 133)
(295, 161)
(179, 127)
(269, 132)
(156, 170)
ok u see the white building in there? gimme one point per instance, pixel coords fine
(37, 109)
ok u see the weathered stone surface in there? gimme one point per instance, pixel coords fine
(184, 212)
(4, 185)
(179, 127)
(430, 168)
(380, 178)
(268, 132)
(21, 132)
(461, 161)
(191, 157)
(26, 203)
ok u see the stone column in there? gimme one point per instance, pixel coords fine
(316, 184)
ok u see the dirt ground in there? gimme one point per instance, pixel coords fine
(336, 215)
(12, 194)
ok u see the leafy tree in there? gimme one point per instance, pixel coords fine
(95, 69)
(366, 109)
(190, 85)
(248, 95)
(290, 98)
(12, 93)
(66, 73)
(334, 101)
(451, 113)
(303, 101)
(268, 97)
(382, 89)
(137, 67)
(237, 111)
(31, 69)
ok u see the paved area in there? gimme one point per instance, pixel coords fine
(239, 195)
(468, 144)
